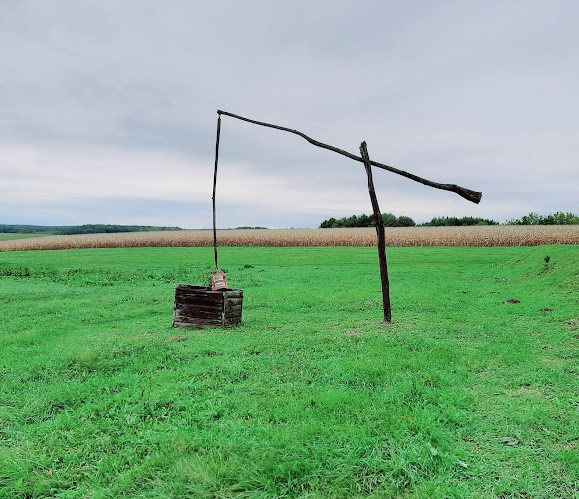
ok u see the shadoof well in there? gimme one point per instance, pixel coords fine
(198, 307)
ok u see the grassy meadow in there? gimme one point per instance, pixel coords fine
(13, 237)
(472, 391)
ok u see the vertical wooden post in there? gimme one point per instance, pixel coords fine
(214, 188)
(381, 236)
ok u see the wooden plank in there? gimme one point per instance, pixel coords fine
(233, 313)
(193, 313)
(232, 306)
(233, 317)
(203, 289)
(191, 288)
(179, 315)
(234, 301)
(195, 290)
(205, 305)
(200, 306)
(200, 301)
(200, 295)
(196, 324)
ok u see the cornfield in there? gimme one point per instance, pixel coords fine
(510, 235)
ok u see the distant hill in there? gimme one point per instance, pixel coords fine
(107, 229)
(79, 229)
(33, 229)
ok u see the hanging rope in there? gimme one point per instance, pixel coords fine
(214, 187)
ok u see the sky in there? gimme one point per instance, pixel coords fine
(108, 109)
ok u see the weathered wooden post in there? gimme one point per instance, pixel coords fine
(214, 189)
(381, 236)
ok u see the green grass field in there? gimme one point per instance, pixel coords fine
(10, 237)
(472, 391)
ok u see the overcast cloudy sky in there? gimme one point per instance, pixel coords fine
(108, 109)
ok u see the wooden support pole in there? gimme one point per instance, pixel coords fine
(381, 236)
(214, 189)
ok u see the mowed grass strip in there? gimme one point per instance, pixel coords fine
(11, 237)
(471, 392)
(510, 235)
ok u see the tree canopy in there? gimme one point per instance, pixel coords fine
(364, 220)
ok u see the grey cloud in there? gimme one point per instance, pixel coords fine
(480, 94)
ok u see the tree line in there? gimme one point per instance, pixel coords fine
(558, 218)
(78, 229)
(364, 220)
(32, 229)
(391, 220)
(107, 229)
(458, 222)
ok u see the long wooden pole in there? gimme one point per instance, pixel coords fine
(472, 196)
(214, 189)
(381, 236)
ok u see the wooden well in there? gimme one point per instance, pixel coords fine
(198, 307)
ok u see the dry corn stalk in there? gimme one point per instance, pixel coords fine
(509, 235)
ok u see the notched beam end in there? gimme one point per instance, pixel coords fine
(467, 194)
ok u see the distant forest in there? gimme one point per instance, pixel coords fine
(364, 220)
(558, 218)
(391, 220)
(32, 229)
(78, 229)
